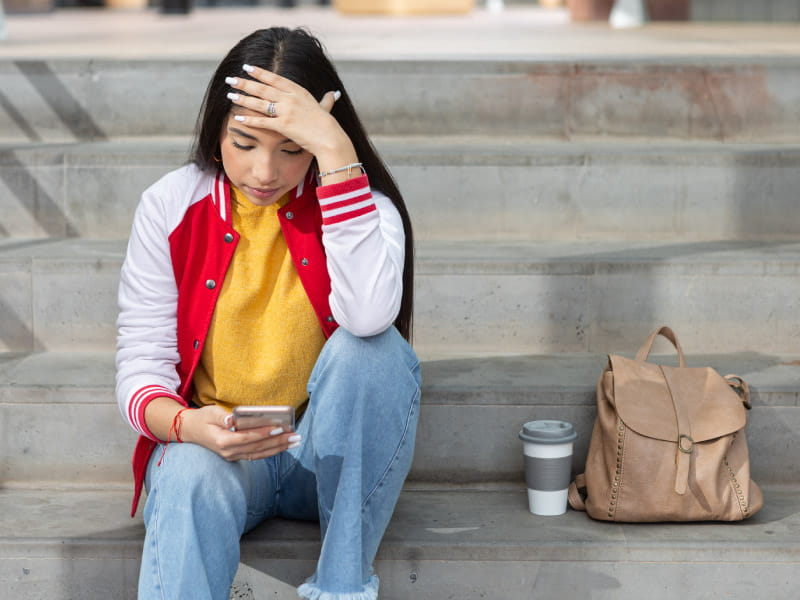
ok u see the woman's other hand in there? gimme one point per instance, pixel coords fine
(209, 427)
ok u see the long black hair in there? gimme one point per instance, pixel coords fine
(299, 56)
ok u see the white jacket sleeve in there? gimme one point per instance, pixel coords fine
(147, 344)
(362, 233)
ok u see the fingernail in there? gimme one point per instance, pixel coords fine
(232, 96)
(336, 95)
(293, 446)
(231, 80)
(228, 421)
(239, 118)
(276, 431)
(294, 438)
(248, 68)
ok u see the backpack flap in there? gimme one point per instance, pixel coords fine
(681, 405)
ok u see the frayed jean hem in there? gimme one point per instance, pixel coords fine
(310, 591)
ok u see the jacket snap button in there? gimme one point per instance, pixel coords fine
(211, 284)
(290, 215)
(304, 262)
(196, 344)
(228, 238)
(330, 319)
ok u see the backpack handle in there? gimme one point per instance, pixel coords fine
(576, 493)
(740, 386)
(665, 331)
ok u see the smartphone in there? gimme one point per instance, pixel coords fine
(248, 417)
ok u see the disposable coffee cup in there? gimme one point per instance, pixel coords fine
(548, 465)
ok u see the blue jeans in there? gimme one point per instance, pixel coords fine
(358, 440)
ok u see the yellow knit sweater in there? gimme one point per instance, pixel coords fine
(264, 337)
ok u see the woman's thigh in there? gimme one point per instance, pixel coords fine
(194, 478)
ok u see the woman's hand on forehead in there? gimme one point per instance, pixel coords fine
(292, 111)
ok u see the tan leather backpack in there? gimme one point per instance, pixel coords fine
(668, 444)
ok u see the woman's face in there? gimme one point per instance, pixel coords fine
(263, 164)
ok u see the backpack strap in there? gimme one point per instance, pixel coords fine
(740, 386)
(577, 493)
(685, 443)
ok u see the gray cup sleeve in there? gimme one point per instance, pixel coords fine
(548, 474)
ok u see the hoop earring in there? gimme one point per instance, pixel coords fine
(219, 160)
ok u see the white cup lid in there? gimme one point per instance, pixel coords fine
(547, 432)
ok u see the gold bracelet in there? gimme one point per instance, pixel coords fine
(349, 168)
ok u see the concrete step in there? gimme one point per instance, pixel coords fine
(80, 189)
(473, 297)
(523, 29)
(743, 10)
(522, 189)
(740, 97)
(62, 426)
(551, 297)
(444, 543)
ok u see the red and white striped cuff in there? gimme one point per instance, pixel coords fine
(139, 402)
(345, 200)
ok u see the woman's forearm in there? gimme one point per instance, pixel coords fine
(159, 417)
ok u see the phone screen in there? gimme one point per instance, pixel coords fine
(249, 417)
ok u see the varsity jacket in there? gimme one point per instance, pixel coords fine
(346, 242)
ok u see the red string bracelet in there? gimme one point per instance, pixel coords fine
(175, 428)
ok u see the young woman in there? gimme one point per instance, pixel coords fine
(275, 269)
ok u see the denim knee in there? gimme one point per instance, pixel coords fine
(197, 480)
(378, 359)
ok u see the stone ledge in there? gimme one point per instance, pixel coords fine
(484, 297)
(64, 428)
(483, 379)
(82, 544)
(444, 524)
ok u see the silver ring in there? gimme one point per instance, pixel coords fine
(271, 110)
